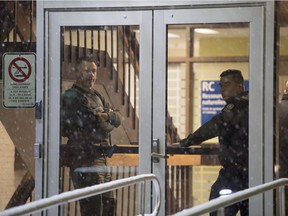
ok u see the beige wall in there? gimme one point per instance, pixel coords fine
(236, 46)
(20, 125)
(7, 152)
(210, 71)
(17, 129)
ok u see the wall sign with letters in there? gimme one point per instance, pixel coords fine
(19, 71)
(211, 100)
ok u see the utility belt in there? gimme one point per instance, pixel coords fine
(74, 153)
(241, 172)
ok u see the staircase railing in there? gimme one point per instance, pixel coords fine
(17, 17)
(221, 202)
(78, 194)
(119, 69)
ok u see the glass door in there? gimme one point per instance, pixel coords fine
(160, 108)
(187, 94)
(111, 45)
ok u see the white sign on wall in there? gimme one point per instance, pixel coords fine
(19, 72)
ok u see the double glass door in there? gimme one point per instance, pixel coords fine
(154, 66)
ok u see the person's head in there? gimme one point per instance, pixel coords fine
(231, 83)
(86, 70)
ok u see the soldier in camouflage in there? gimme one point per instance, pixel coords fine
(87, 120)
(231, 127)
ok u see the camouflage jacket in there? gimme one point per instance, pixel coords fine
(79, 119)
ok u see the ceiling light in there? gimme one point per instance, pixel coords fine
(206, 31)
(172, 35)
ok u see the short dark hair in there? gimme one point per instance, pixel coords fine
(236, 75)
(87, 58)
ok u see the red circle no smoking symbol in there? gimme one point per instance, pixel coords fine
(19, 69)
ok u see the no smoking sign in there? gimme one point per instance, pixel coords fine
(19, 80)
(19, 69)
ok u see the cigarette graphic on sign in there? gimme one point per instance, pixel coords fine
(19, 69)
(19, 80)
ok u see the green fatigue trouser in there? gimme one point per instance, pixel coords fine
(99, 205)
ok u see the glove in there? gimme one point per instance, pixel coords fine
(184, 142)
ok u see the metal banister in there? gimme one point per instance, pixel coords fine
(78, 194)
(221, 202)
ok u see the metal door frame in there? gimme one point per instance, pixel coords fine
(260, 111)
(265, 136)
(52, 76)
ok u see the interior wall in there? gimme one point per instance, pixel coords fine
(211, 71)
(19, 124)
(17, 131)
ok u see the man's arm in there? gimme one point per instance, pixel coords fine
(207, 131)
(110, 115)
(70, 110)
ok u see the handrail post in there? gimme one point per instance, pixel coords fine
(282, 200)
(142, 198)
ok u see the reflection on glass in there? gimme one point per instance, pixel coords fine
(209, 50)
(99, 114)
(282, 118)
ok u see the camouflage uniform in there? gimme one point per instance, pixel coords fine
(231, 127)
(85, 130)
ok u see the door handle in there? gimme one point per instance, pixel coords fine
(156, 151)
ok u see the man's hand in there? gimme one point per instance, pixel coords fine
(103, 115)
(175, 145)
(184, 142)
